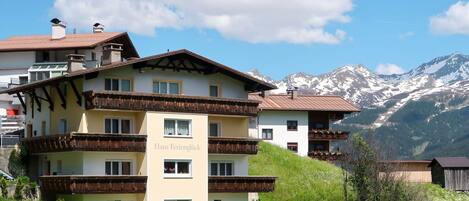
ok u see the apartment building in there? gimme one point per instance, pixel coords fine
(26, 59)
(301, 123)
(168, 127)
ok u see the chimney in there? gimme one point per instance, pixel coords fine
(58, 29)
(75, 62)
(293, 92)
(98, 28)
(265, 93)
(111, 53)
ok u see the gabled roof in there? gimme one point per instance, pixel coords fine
(71, 41)
(252, 84)
(451, 162)
(304, 103)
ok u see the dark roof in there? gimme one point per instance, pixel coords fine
(254, 83)
(71, 41)
(304, 103)
(451, 162)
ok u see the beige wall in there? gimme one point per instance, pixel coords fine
(232, 126)
(95, 120)
(73, 112)
(160, 148)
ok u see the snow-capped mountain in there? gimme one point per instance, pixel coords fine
(366, 88)
(419, 112)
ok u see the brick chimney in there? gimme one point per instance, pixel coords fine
(111, 53)
(75, 62)
(293, 92)
(98, 28)
(58, 29)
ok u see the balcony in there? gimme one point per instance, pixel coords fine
(169, 103)
(221, 145)
(86, 142)
(326, 155)
(327, 135)
(238, 184)
(93, 184)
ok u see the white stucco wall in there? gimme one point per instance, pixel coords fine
(193, 84)
(72, 162)
(17, 59)
(94, 162)
(228, 196)
(277, 120)
(240, 162)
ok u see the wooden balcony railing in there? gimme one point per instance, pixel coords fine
(327, 135)
(237, 184)
(93, 184)
(326, 155)
(221, 145)
(169, 103)
(86, 142)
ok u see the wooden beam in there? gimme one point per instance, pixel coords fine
(61, 96)
(36, 99)
(22, 102)
(49, 99)
(91, 75)
(75, 91)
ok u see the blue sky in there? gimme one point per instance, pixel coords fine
(377, 32)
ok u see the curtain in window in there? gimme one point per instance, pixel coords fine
(183, 127)
(169, 167)
(173, 88)
(183, 168)
(169, 127)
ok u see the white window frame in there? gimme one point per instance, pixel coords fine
(175, 174)
(179, 83)
(219, 128)
(120, 124)
(262, 133)
(120, 161)
(176, 128)
(218, 90)
(119, 85)
(218, 167)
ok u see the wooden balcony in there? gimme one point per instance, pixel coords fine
(169, 103)
(327, 135)
(238, 184)
(86, 142)
(92, 184)
(326, 155)
(221, 145)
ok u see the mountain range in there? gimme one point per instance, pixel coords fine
(420, 114)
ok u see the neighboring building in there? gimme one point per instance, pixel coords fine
(301, 123)
(416, 171)
(451, 172)
(167, 127)
(26, 59)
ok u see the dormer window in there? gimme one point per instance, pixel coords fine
(111, 84)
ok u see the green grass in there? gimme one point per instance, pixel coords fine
(440, 194)
(299, 178)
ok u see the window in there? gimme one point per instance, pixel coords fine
(43, 128)
(59, 166)
(178, 200)
(117, 125)
(292, 146)
(292, 125)
(214, 91)
(117, 84)
(179, 128)
(177, 168)
(118, 167)
(93, 56)
(214, 129)
(63, 128)
(267, 134)
(163, 87)
(221, 168)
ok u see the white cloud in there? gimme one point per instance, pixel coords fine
(454, 21)
(406, 35)
(258, 21)
(389, 69)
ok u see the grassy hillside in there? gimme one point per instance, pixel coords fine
(299, 178)
(303, 179)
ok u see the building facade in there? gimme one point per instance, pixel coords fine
(169, 127)
(301, 123)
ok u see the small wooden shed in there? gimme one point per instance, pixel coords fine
(451, 172)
